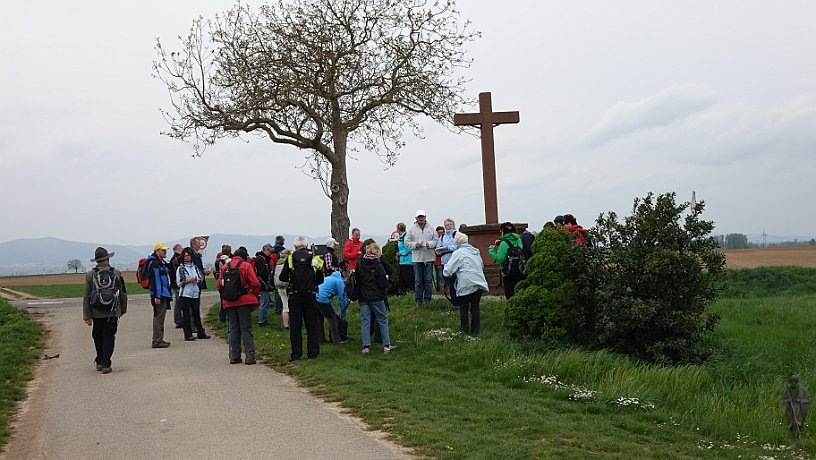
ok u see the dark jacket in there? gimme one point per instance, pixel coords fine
(198, 263)
(372, 284)
(288, 269)
(121, 307)
(262, 271)
(175, 263)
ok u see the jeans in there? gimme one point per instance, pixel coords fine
(104, 337)
(302, 309)
(382, 319)
(438, 278)
(191, 316)
(470, 303)
(263, 296)
(159, 312)
(240, 327)
(423, 281)
(327, 311)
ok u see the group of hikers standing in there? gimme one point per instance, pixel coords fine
(302, 286)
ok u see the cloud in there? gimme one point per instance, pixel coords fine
(672, 105)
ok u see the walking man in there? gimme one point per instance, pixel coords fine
(104, 302)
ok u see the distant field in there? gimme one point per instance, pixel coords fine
(68, 278)
(799, 256)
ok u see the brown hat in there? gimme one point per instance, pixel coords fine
(102, 254)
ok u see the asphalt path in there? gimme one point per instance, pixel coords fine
(185, 401)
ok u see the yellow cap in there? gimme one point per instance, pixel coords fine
(158, 246)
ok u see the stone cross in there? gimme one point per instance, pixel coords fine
(487, 119)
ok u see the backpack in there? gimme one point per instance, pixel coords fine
(302, 278)
(514, 266)
(588, 241)
(527, 239)
(105, 292)
(262, 271)
(143, 273)
(231, 286)
(280, 284)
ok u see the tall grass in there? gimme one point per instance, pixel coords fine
(20, 343)
(451, 397)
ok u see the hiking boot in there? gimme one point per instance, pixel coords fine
(106, 370)
(263, 324)
(203, 336)
(99, 367)
(249, 361)
(365, 350)
(388, 348)
(294, 360)
(235, 361)
(189, 339)
(161, 344)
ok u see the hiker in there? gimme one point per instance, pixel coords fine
(406, 264)
(375, 331)
(263, 268)
(159, 275)
(280, 287)
(372, 285)
(333, 286)
(329, 258)
(579, 233)
(278, 247)
(353, 249)
(304, 272)
(175, 262)
(420, 238)
(195, 245)
(239, 290)
(558, 221)
(444, 249)
(188, 277)
(511, 267)
(527, 238)
(465, 266)
(104, 302)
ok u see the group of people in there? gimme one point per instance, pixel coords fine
(302, 286)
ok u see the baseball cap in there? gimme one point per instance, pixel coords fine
(420, 212)
(158, 246)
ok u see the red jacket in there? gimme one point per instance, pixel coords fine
(250, 280)
(577, 232)
(351, 252)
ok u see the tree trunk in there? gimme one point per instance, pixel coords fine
(338, 184)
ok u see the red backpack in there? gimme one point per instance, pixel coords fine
(143, 273)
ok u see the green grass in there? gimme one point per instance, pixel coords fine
(20, 344)
(468, 399)
(63, 291)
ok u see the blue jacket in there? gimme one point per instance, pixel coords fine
(404, 251)
(333, 285)
(467, 265)
(159, 278)
(446, 242)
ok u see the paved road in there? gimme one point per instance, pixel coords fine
(185, 401)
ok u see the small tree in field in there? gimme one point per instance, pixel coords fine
(75, 265)
(320, 75)
(660, 270)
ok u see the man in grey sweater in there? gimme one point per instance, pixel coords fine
(105, 301)
(421, 238)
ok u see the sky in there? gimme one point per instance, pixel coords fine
(616, 99)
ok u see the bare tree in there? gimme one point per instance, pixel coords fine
(327, 76)
(75, 265)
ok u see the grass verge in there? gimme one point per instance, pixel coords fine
(448, 396)
(20, 344)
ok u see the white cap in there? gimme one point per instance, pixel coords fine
(420, 212)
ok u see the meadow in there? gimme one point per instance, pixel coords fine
(446, 395)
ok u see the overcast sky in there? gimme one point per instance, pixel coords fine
(616, 98)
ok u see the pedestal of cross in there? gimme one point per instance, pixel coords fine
(482, 236)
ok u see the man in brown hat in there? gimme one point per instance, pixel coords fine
(105, 301)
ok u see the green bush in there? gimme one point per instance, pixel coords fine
(545, 301)
(654, 275)
(389, 252)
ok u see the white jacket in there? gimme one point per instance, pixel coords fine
(427, 237)
(466, 263)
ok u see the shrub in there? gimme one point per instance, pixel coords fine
(389, 254)
(653, 277)
(545, 301)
